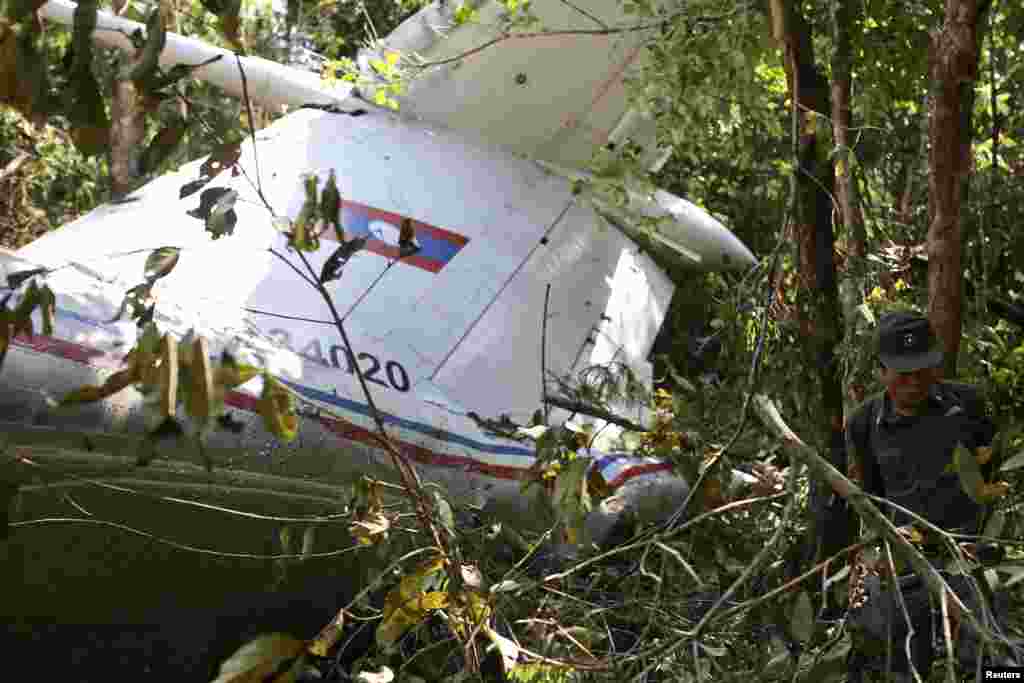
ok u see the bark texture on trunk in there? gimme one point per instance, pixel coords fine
(818, 296)
(843, 19)
(954, 68)
(127, 136)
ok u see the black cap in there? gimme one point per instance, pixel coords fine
(906, 342)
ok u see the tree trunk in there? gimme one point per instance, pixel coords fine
(843, 20)
(818, 295)
(127, 136)
(954, 68)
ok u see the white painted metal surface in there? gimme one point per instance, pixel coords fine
(455, 328)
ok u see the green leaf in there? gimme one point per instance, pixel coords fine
(216, 208)
(277, 406)
(1016, 462)
(161, 262)
(506, 647)
(995, 524)
(8, 490)
(966, 465)
(571, 498)
(444, 513)
(224, 156)
(275, 658)
(304, 235)
(713, 651)
(1015, 571)
(330, 206)
(48, 308)
(145, 65)
(308, 542)
(163, 144)
(801, 625)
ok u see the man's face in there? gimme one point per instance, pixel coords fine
(908, 390)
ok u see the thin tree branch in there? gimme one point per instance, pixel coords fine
(175, 544)
(295, 268)
(594, 411)
(581, 32)
(252, 128)
(869, 514)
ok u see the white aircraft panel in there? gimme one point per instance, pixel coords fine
(555, 97)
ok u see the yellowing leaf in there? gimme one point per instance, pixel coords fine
(411, 600)
(507, 648)
(329, 636)
(370, 528)
(991, 492)
(277, 408)
(258, 661)
(983, 454)
(90, 393)
(169, 376)
(200, 398)
(305, 235)
(48, 306)
(966, 465)
(232, 374)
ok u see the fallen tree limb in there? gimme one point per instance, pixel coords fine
(594, 411)
(869, 514)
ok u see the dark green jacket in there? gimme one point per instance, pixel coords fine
(907, 460)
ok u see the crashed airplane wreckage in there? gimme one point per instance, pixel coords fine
(444, 322)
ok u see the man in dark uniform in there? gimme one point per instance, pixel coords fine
(900, 445)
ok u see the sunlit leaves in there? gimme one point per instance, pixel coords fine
(305, 234)
(91, 393)
(370, 523)
(275, 658)
(465, 13)
(160, 263)
(163, 145)
(330, 206)
(416, 595)
(146, 61)
(329, 636)
(277, 408)
(19, 320)
(571, 496)
(972, 481)
(227, 12)
(172, 373)
(200, 395)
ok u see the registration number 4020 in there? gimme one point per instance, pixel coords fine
(389, 374)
